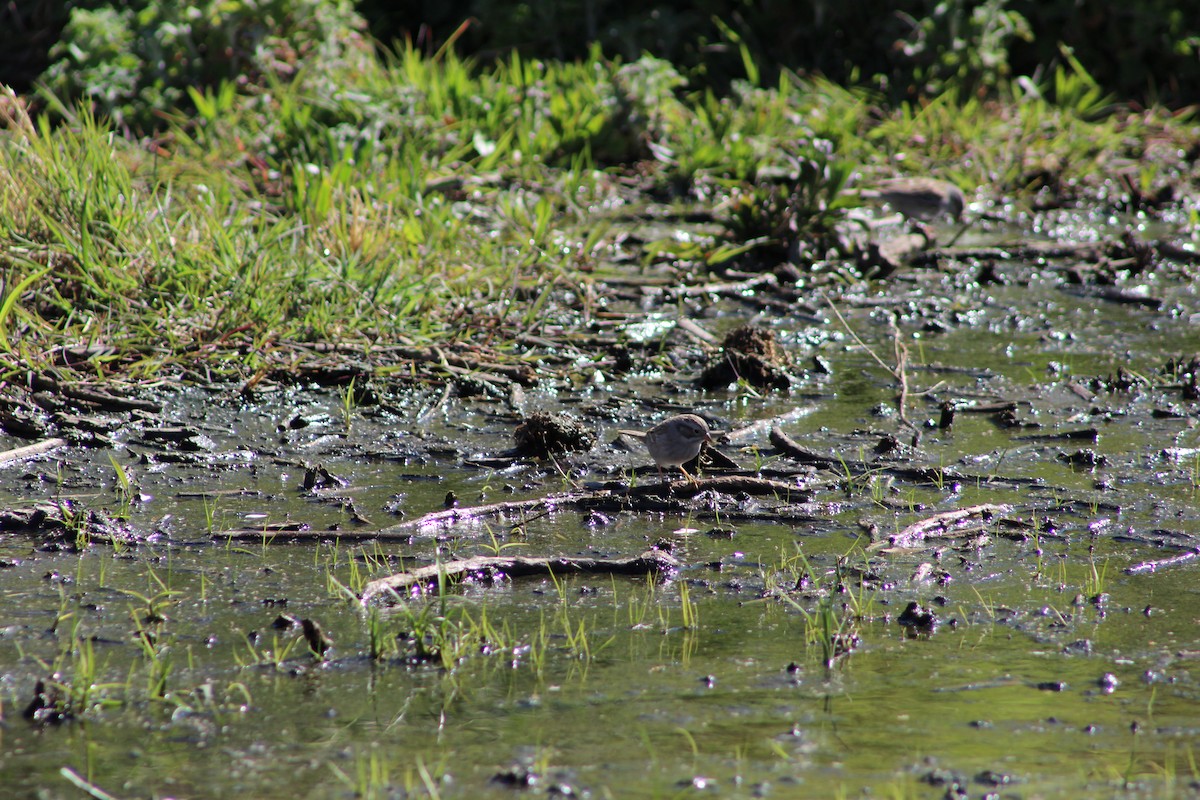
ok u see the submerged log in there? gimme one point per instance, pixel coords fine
(492, 568)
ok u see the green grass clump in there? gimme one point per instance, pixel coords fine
(426, 197)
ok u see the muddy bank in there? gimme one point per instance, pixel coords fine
(958, 504)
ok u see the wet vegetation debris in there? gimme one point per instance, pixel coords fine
(48, 706)
(750, 354)
(543, 435)
(1085, 458)
(319, 477)
(917, 618)
(318, 641)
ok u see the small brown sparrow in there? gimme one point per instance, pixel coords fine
(922, 199)
(675, 441)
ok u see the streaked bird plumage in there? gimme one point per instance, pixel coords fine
(675, 441)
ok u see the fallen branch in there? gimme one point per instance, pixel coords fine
(696, 332)
(1154, 566)
(792, 449)
(757, 428)
(652, 497)
(493, 568)
(961, 522)
(733, 289)
(728, 484)
(30, 450)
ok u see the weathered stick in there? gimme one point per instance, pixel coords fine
(950, 523)
(30, 450)
(490, 568)
(644, 497)
(729, 484)
(794, 450)
(696, 332)
(757, 428)
(1153, 566)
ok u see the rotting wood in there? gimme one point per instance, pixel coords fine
(960, 522)
(651, 562)
(30, 450)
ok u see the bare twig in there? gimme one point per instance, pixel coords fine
(30, 450)
(899, 372)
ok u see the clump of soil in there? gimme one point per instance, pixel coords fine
(543, 434)
(749, 353)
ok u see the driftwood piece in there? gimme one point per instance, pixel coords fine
(950, 524)
(1153, 566)
(491, 568)
(30, 450)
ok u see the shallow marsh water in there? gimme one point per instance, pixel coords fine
(1029, 686)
